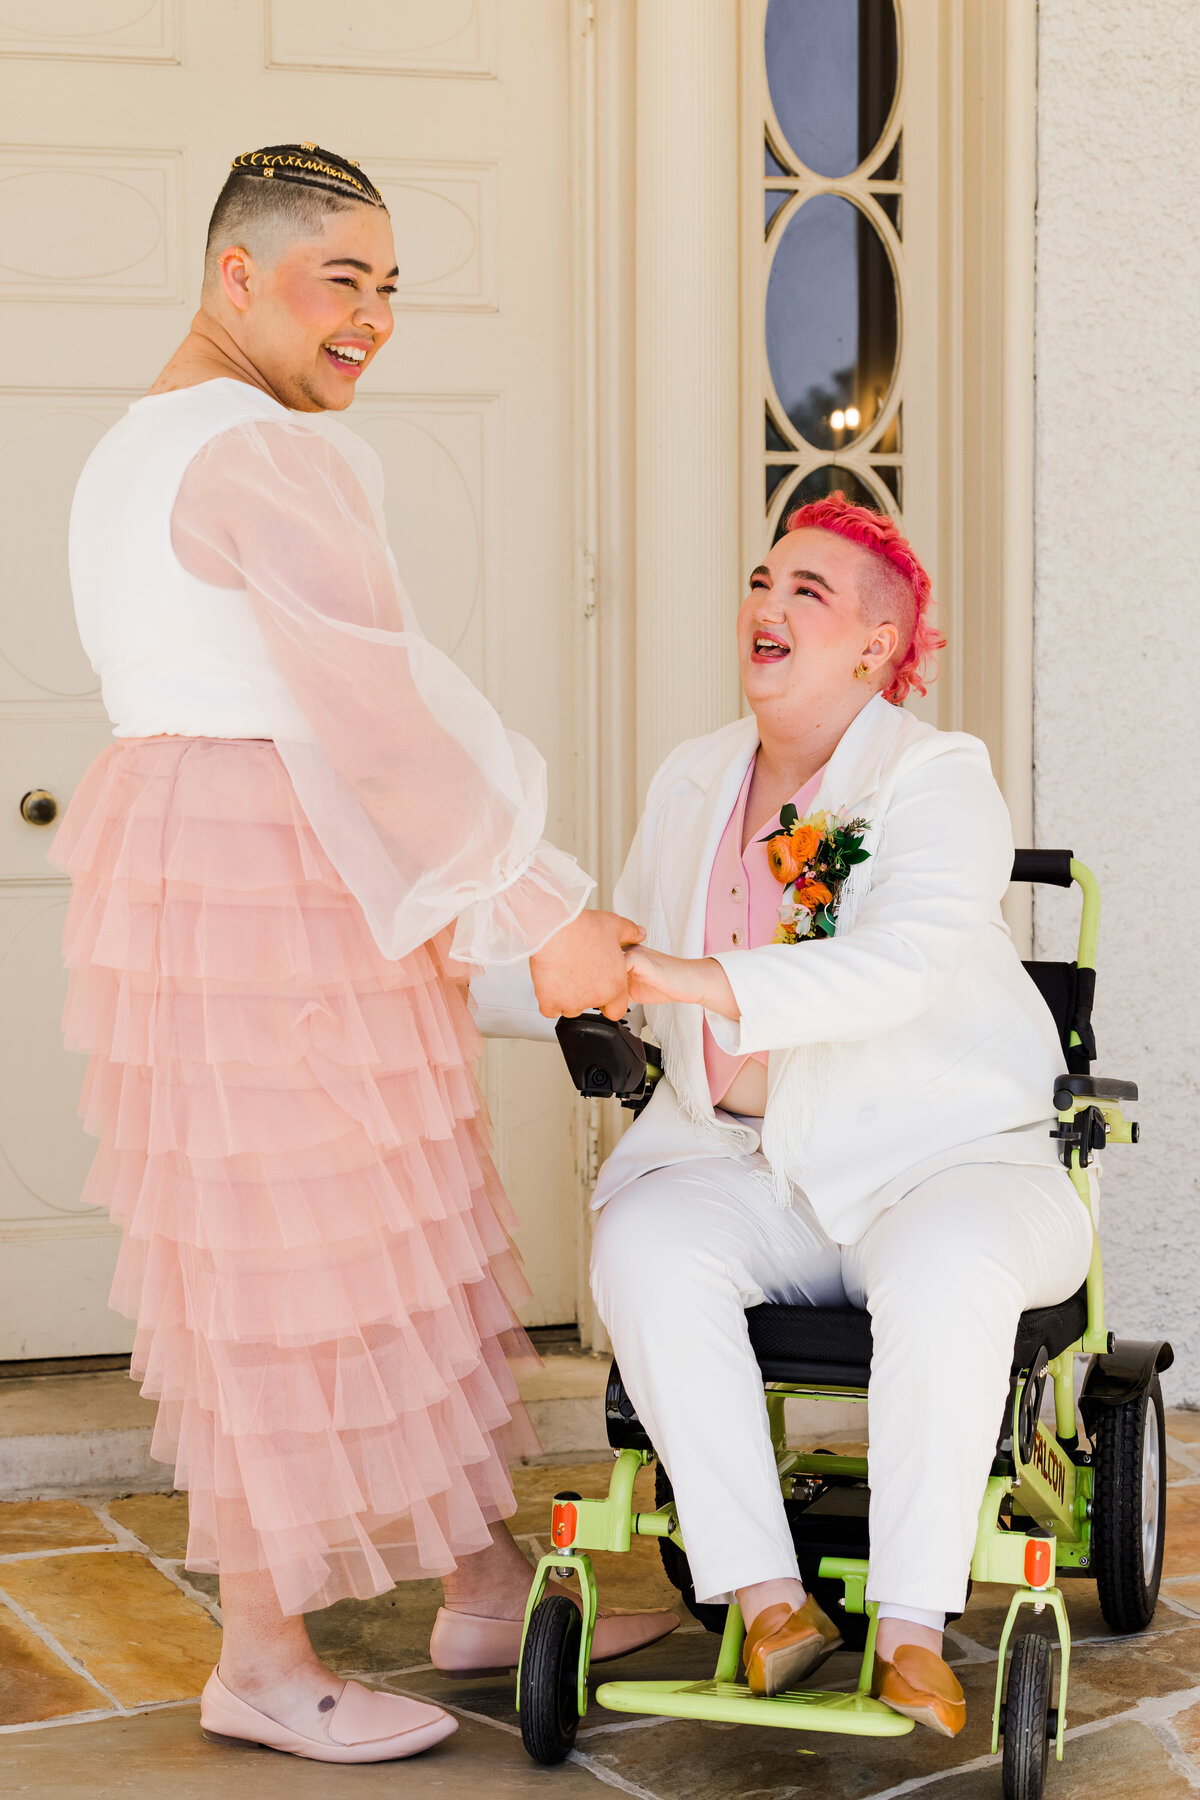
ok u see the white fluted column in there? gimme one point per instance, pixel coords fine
(688, 577)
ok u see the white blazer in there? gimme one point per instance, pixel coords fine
(912, 1040)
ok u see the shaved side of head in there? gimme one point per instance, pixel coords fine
(885, 596)
(264, 217)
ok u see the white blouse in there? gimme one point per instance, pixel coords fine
(232, 579)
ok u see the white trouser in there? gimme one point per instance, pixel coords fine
(945, 1273)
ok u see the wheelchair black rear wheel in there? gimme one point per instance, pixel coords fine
(1129, 1508)
(1029, 1723)
(675, 1564)
(549, 1673)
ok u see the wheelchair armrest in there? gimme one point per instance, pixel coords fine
(1090, 1116)
(1070, 1088)
(606, 1060)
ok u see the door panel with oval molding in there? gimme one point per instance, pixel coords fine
(121, 117)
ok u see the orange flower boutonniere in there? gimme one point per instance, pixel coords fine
(812, 858)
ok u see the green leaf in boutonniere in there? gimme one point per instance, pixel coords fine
(788, 817)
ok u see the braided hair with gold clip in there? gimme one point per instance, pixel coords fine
(309, 166)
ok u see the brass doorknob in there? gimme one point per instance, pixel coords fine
(39, 807)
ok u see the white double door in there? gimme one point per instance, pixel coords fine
(121, 117)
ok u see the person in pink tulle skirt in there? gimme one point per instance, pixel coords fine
(309, 830)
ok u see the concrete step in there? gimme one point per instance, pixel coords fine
(60, 1433)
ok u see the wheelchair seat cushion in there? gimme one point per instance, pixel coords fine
(831, 1345)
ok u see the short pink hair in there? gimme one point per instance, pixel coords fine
(882, 536)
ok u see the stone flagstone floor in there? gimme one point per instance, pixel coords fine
(105, 1643)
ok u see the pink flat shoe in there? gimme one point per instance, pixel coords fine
(364, 1726)
(467, 1644)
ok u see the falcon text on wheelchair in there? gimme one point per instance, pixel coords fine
(1081, 1500)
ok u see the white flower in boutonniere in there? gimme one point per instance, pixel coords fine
(812, 857)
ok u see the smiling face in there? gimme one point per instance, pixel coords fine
(807, 624)
(314, 317)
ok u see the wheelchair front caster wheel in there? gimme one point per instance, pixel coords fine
(549, 1678)
(1028, 1722)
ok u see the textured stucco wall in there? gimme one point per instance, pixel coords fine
(1117, 609)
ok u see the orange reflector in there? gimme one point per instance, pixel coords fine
(564, 1522)
(1038, 1562)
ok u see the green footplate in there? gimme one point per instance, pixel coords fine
(857, 1715)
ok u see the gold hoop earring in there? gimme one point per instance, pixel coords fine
(862, 671)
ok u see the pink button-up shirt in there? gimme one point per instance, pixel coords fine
(743, 910)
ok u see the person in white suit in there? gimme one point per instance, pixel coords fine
(859, 1118)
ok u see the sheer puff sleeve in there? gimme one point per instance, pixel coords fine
(428, 808)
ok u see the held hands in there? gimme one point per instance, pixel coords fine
(599, 960)
(584, 965)
(656, 979)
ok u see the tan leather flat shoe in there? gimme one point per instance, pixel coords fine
(783, 1646)
(920, 1685)
(365, 1726)
(468, 1644)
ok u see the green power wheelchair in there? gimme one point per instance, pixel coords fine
(1061, 1502)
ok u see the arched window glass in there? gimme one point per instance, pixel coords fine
(833, 226)
(831, 322)
(831, 74)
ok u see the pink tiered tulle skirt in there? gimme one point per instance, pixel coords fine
(315, 1243)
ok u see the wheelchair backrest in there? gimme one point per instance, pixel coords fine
(1069, 989)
